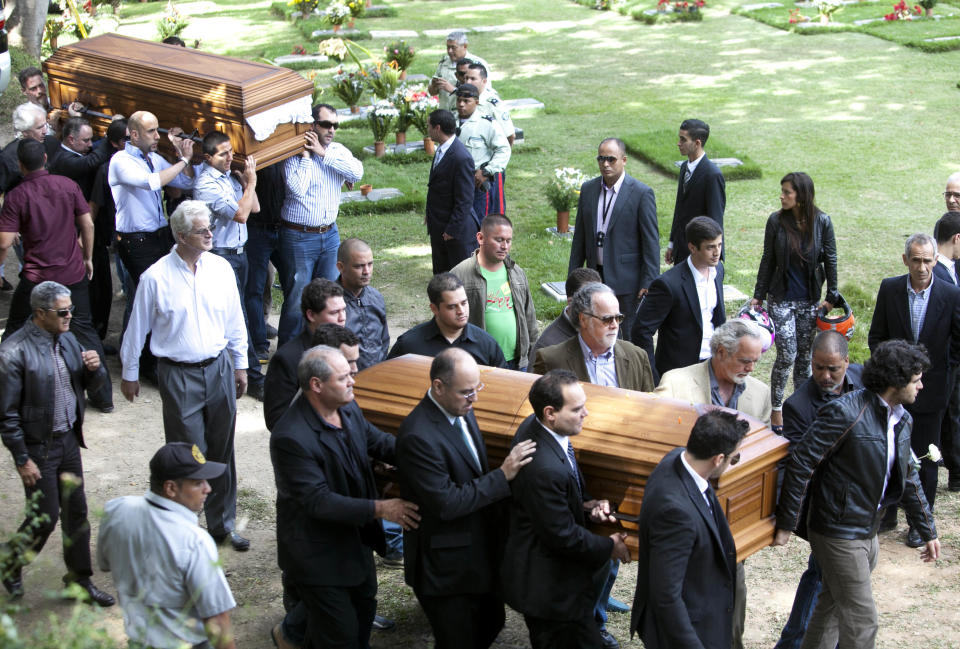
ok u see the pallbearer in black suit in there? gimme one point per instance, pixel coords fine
(686, 562)
(553, 566)
(451, 560)
(947, 234)
(685, 304)
(701, 190)
(451, 220)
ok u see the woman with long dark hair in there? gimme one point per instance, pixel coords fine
(799, 253)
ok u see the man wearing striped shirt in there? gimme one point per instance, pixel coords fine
(309, 238)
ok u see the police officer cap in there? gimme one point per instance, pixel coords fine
(467, 90)
(178, 460)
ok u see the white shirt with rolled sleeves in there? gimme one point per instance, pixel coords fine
(485, 141)
(165, 568)
(313, 185)
(192, 317)
(221, 192)
(137, 191)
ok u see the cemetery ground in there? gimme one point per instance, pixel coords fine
(870, 120)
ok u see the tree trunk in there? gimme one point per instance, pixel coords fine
(33, 17)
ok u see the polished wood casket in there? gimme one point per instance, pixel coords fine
(625, 435)
(114, 74)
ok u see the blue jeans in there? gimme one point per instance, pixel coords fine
(239, 265)
(306, 256)
(808, 590)
(394, 537)
(263, 246)
(600, 608)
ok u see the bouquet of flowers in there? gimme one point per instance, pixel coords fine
(564, 188)
(306, 6)
(382, 116)
(357, 7)
(334, 48)
(421, 105)
(337, 13)
(348, 86)
(902, 12)
(400, 53)
(826, 9)
(172, 22)
(382, 78)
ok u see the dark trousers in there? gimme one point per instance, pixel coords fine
(447, 253)
(138, 252)
(240, 268)
(926, 431)
(463, 621)
(341, 617)
(59, 498)
(101, 289)
(493, 200)
(80, 325)
(950, 432)
(263, 247)
(563, 634)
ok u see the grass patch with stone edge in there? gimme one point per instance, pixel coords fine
(659, 148)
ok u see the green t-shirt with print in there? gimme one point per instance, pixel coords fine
(499, 319)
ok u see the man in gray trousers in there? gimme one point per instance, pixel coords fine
(188, 301)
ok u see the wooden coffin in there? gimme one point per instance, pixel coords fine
(624, 437)
(183, 87)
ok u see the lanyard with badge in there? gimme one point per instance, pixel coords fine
(601, 234)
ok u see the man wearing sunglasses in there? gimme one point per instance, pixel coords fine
(43, 371)
(309, 238)
(616, 231)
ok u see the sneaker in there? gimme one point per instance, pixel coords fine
(381, 623)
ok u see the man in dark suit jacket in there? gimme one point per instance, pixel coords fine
(685, 304)
(451, 560)
(701, 189)
(616, 230)
(686, 562)
(451, 220)
(899, 315)
(595, 355)
(947, 233)
(327, 505)
(553, 566)
(76, 157)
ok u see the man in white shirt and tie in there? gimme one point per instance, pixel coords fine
(190, 303)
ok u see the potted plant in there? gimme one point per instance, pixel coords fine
(826, 9)
(563, 191)
(928, 6)
(421, 105)
(382, 79)
(400, 53)
(357, 8)
(349, 87)
(402, 100)
(306, 7)
(381, 117)
(336, 14)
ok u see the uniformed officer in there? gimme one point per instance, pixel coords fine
(444, 82)
(489, 102)
(488, 147)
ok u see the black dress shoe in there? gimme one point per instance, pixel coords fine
(105, 408)
(381, 623)
(6, 286)
(953, 484)
(914, 540)
(238, 543)
(12, 581)
(255, 390)
(609, 642)
(96, 595)
(271, 331)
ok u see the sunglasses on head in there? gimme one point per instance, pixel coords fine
(323, 123)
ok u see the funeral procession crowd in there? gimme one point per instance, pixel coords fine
(195, 245)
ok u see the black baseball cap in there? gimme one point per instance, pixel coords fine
(178, 460)
(467, 90)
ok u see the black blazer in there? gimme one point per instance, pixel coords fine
(672, 307)
(82, 169)
(450, 195)
(551, 562)
(280, 384)
(940, 334)
(940, 272)
(686, 564)
(456, 548)
(704, 195)
(325, 522)
(631, 249)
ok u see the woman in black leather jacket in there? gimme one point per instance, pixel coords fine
(799, 253)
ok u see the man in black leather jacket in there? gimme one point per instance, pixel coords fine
(854, 461)
(43, 373)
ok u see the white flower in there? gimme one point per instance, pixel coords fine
(933, 453)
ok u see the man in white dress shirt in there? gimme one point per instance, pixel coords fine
(309, 239)
(190, 302)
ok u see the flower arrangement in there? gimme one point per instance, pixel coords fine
(400, 53)
(682, 10)
(382, 78)
(421, 104)
(563, 189)
(299, 51)
(382, 116)
(902, 12)
(357, 7)
(337, 13)
(306, 6)
(797, 17)
(826, 9)
(334, 48)
(349, 86)
(172, 22)
(70, 21)
(602, 5)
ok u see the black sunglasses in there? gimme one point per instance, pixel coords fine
(327, 124)
(607, 158)
(63, 313)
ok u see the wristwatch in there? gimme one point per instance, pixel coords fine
(21, 459)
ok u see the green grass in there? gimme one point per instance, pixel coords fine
(659, 148)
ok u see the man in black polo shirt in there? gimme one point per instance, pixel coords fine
(449, 326)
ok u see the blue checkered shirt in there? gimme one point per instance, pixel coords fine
(313, 185)
(918, 306)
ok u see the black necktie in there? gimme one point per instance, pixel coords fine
(574, 468)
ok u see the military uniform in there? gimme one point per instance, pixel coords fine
(447, 70)
(491, 104)
(488, 146)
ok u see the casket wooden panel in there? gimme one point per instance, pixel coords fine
(624, 437)
(183, 87)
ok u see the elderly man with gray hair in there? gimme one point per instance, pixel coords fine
(29, 123)
(43, 372)
(188, 301)
(444, 82)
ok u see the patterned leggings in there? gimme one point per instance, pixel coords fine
(795, 321)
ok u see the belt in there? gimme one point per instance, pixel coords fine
(306, 228)
(156, 234)
(227, 251)
(204, 363)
